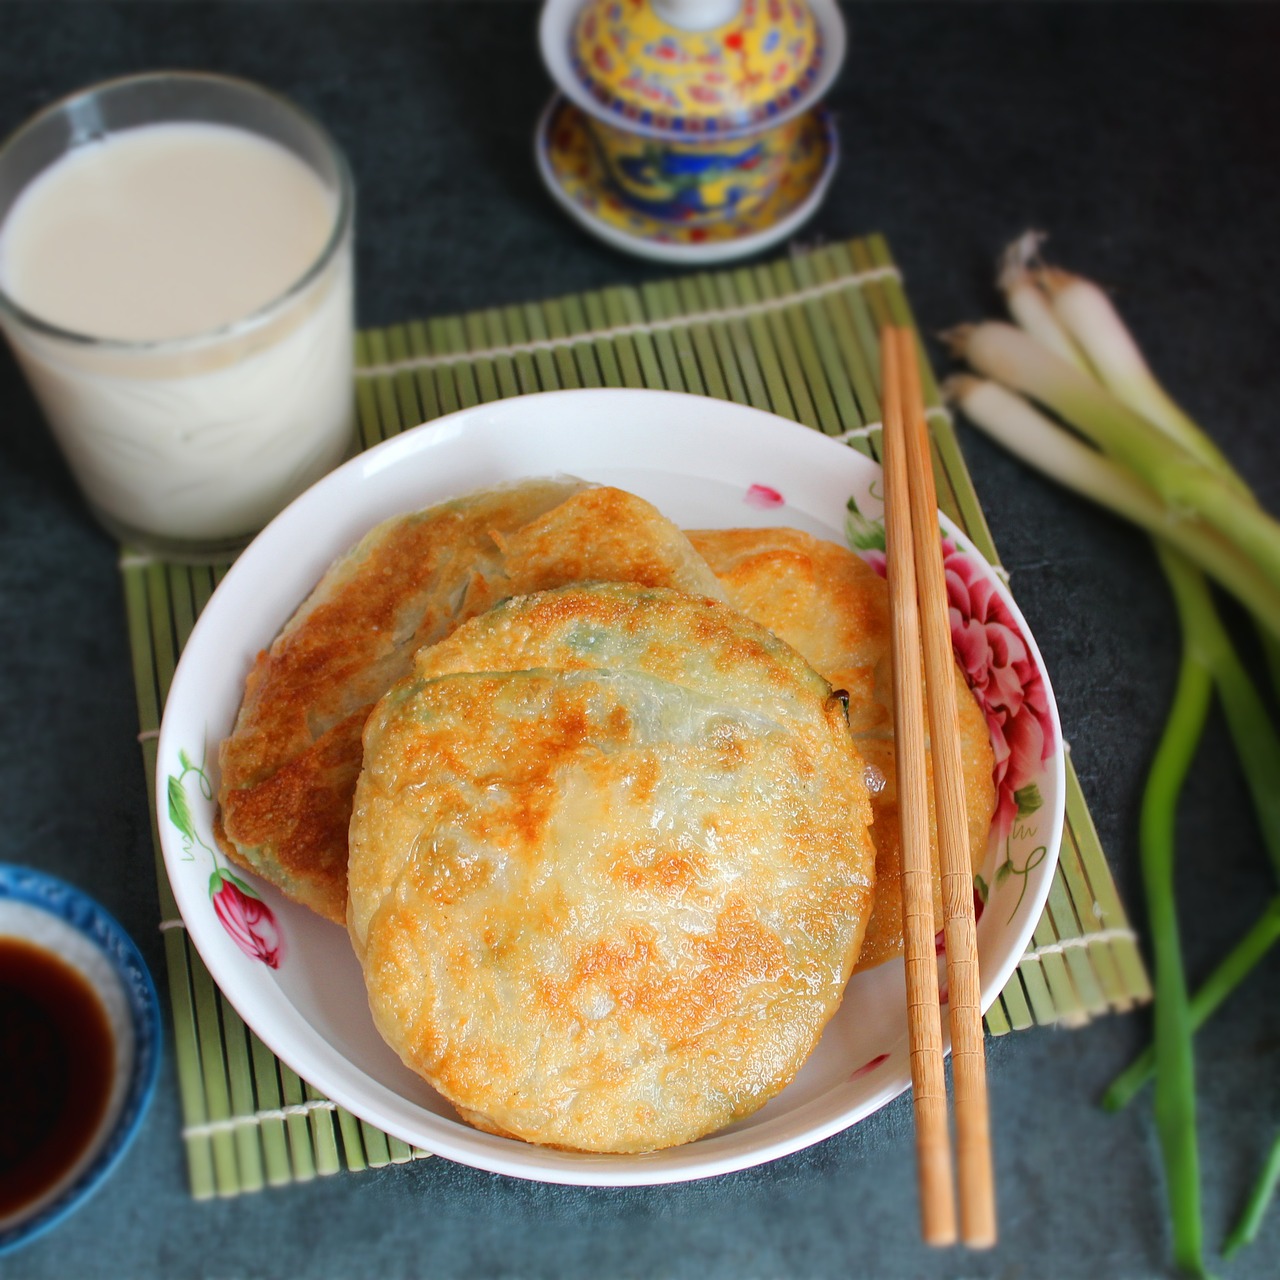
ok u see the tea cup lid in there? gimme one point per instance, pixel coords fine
(692, 68)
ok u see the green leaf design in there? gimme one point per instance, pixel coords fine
(981, 885)
(185, 760)
(1027, 799)
(1003, 872)
(863, 534)
(223, 875)
(179, 810)
(243, 886)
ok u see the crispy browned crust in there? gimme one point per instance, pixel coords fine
(289, 767)
(609, 866)
(829, 604)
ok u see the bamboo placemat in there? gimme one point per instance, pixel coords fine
(797, 337)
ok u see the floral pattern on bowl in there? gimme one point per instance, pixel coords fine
(248, 920)
(1000, 669)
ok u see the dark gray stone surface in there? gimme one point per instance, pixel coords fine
(1143, 137)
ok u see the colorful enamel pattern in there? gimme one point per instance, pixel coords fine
(697, 183)
(570, 159)
(695, 117)
(743, 74)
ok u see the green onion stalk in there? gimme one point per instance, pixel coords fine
(1246, 1230)
(1175, 1095)
(1067, 389)
(1257, 747)
(1228, 975)
(1074, 319)
(1013, 421)
(1186, 483)
(1029, 304)
(1101, 345)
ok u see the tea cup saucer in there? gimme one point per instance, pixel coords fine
(575, 175)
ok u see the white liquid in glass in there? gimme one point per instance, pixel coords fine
(160, 242)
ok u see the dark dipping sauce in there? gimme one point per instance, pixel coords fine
(57, 1057)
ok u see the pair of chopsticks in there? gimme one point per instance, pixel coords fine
(919, 614)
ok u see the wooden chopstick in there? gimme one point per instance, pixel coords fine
(924, 1020)
(918, 607)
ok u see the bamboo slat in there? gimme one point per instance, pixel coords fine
(797, 336)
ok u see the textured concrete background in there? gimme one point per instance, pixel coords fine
(1143, 137)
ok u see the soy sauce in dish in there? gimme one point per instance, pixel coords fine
(56, 1060)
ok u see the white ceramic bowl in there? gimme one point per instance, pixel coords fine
(704, 463)
(52, 915)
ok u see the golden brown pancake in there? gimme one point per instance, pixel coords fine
(828, 603)
(289, 767)
(609, 867)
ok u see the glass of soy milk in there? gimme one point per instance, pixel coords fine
(176, 282)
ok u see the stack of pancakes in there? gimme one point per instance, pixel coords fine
(606, 808)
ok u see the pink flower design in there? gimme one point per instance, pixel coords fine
(998, 665)
(248, 919)
(877, 560)
(868, 1067)
(764, 497)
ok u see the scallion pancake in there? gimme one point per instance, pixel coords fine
(609, 866)
(829, 604)
(289, 766)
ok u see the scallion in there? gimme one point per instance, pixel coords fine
(1185, 483)
(1247, 1228)
(1242, 959)
(1087, 314)
(1067, 389)
(1012, 421)
(1028, 303)
(1175, 1096)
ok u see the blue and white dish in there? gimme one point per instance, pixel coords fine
(52, 915)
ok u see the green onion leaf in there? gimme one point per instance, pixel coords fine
(1175, 1097)
(1247, 1228)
